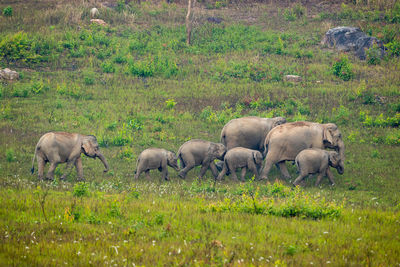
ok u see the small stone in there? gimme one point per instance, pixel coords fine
(292, 78)
(99, 21)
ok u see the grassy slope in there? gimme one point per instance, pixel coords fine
(121, 108)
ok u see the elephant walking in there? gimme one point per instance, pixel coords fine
(240, 157)
(200, 152)
(156, 158)
(62, 147)
(285, 142)
(315, 160)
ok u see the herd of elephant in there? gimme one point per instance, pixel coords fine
(245, 143)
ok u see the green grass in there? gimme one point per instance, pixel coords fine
(136, 84)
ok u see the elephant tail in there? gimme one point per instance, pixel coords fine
(297, 165)
(33, 160)
(137, 164)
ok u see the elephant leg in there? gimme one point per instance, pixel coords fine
(41, 163)
(67, 170)
(267, 168)
(79, 168)
(50, 173)
(184, 171)
(330, 176)
(222, 173)
(233, 173)
(243, 174)
(147, 172)
(164, 173)
(319, 178)
(284, 170)
(203, 169)
(253, 168)
(214, 169)
(299, 179)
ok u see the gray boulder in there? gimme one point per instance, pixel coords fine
(351, 39)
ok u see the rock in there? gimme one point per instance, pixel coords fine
(214, 20)
(94, 13)
(292, 78)
(351, 39)
(99, 21)
(8, 74)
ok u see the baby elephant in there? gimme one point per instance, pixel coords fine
(240, 157)
(315, 160)
(156, 158)
(200, 152)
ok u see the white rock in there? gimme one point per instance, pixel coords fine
(8, 74)
(292, 78)
(99, 21)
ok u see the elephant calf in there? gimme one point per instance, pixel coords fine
(156, 158)
(240, 157)
(200, 152)
(315, 160)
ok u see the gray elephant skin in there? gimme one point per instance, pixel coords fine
(248, 132)
(200, 152)
(285, 142)
(315, 160)
(62, 147)
(240, 157)
(156, 158)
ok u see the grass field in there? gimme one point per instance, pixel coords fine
(135, 84)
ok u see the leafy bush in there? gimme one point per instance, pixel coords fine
(89, 77)
(342, 68)
(81, 189)
(297, 203)
(373, 55)
(10, 155)
(108, 67)
(18, 47)
(393, 48)
(170, 103)
(8, 11)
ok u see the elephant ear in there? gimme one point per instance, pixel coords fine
(257, 157)
(327, 134)
(87, 147)
(334, 158)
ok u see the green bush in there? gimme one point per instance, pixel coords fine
(18, 47)
(373, 55)
(10, 155)
(393, 48)
(108, 67)
(81, 189)
(342, 68)
(8, 11)
(89, 77)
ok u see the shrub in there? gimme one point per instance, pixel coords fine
(89, 77)
(108, 67)
(8, 11)
(81, 189)
(373, 55)
(18, 47)
(342, 68)
(170, 103)
(10, 155)
(393, 48)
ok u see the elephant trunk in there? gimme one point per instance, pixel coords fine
(340, 150)
(340, 168)
(103, 159)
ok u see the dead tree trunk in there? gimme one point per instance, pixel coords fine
(189, 21)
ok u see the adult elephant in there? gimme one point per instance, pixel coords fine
(285, 141)
(248, 132)
(62, 147)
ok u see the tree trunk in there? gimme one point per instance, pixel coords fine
(189, 22)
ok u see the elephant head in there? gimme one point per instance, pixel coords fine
(217, 150)
(336, 162)
(90, 148)
(172, 160)
(332, 138)
(258, 158)
(277, 121)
